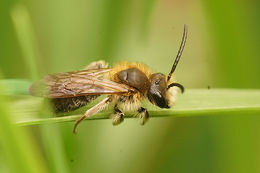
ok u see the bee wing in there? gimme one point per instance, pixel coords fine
(79, 83)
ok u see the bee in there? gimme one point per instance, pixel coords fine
(125, 85)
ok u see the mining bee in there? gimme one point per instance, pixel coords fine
(125, 85)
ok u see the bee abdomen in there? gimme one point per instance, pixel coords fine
(70, 104)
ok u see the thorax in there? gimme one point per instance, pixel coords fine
(135, 75)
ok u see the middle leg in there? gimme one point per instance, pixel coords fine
(117, 116)
(143, 114)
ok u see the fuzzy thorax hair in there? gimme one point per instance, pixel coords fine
(127, 65)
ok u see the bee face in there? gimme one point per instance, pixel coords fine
(158, 89)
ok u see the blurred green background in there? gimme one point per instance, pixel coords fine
(41, 37)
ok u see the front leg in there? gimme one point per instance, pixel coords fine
(143, 114)
(117, 116)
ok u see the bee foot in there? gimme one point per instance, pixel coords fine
(117, 118)
(143, 114)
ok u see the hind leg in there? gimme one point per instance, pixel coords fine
(92, 111)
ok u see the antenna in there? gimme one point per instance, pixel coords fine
(184, 37)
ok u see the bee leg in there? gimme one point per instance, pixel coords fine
(117, 116)
(95, 109)
(144, 115)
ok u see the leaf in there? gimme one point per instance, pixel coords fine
(15, 87)
(194, 102)
(17, 146)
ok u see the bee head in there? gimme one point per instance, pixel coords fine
(162, 92)
(157, 91)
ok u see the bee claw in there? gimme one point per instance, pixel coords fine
(144, 120)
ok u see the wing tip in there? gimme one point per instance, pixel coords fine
(38, 89)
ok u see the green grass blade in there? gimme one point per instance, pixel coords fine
(17, 148)
(56, 154)
(25, 34)
(15, 87)
(28, 41)
(194, 102)
(147, 9)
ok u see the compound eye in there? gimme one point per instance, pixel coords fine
(157, 82)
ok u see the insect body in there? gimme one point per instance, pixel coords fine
(126, 85)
